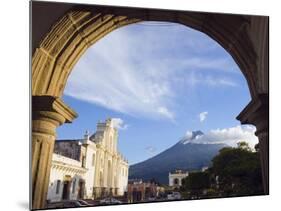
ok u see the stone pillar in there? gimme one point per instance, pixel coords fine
(257, 113)
(118, 173)
(105, 169)
(47, 114)
(114, 171)
(264, 154)
(97, 168)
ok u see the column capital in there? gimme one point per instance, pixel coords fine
(256, 113)
(53, 104)
(48, 112)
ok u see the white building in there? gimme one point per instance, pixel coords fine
(176, 177)
(88, 168)
(204, 168)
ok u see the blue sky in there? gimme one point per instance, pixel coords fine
(160, 81)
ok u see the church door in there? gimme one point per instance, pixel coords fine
(65, 191)
(81, 189)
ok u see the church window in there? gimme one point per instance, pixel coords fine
(58, 187)
(93, 159)
(111, 143)
(84, 161)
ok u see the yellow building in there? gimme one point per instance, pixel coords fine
(88, 168)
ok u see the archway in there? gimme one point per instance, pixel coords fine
(176, 181)
(70, 37)
(244, 37)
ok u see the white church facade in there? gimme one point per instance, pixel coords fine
(88, 168)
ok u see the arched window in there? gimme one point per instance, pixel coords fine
(58, 186)
(176, 181)
(84, 161)
(111, 143)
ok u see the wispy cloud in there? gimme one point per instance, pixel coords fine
(230, 136)
(138, 72)
(151, 150)
(165, 112)
(203, 116)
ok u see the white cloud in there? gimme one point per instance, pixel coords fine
(203, 116)
(118, 123)
(165, 112)
(196, 78)
(230, 136)
(188, 135)
(135, 71)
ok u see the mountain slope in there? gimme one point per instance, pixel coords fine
(184, 155)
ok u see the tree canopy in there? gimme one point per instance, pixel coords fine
(238, 170)
(235, 172)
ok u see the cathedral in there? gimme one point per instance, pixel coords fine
(88, 168)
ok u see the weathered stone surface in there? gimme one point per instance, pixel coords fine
(47, 114)
(78, 30)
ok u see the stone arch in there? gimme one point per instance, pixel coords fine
(243, 37)
(176, 181)
(76, 31)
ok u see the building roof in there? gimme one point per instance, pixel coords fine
(178, 171)
(64, 140)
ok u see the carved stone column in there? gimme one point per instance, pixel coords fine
(257, 113)
(47, 114)
(114, 171)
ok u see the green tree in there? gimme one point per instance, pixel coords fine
(196, 182)
(238, 170)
